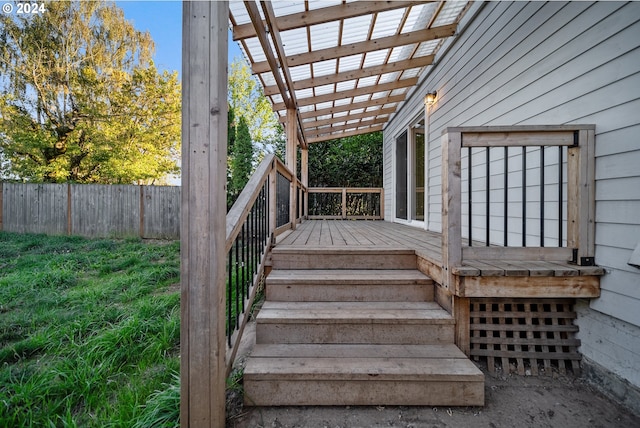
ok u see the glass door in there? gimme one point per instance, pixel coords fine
(410, 176)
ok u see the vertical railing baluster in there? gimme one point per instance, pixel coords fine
(524, 196)
(560, 195)
(488, 208)
(506, 195)
(542, 196)
(470, 189)
(230, 327)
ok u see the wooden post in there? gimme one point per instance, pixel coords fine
(344, 203)
(304, 176)
(451, 206)
(1, 203)
(461, 313)
(292, 161)
(203, 216)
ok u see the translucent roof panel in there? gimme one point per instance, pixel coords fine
(326, 47)
(325, 36)
(356, 29)
(295, 41)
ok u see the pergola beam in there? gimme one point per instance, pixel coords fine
(348, 107)
(365, 115)
(324, 15)
(345, 134)
(345, 76)
(331, 129)
(365, 90)
(389, 42)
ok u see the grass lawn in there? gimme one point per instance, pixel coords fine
(89, 332)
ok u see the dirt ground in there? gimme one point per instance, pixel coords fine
(510, 401)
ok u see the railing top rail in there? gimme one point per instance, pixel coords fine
(519, 128)
(348, 189)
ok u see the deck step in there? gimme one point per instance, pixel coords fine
(349, 285)
(292, 257)
(350, 374)
(354, 322)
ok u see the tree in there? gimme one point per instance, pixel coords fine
(241, 159)
(80, 99)
(347, 162)
(247, 99)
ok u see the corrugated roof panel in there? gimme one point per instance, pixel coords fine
(277, 98)
(360, 98)
(350, 63)
(323, 68)
(427, 48)
(375, 58)
(367, 81)
(372, 108)
(300, 72)
(282, 8)
(354, 29)
(387, 23)
(340, 114)
(324, 105)
(324, 36)
(357, 111)
(419, 17)
(306, 109)
(253, 45)
(389, 77)
(410, 73)
(379, 95)
(398, 91)
(304, 93)
(345, 86)
(449, 12)
(323, 90)
(343, 102)
(295, 41)
(268, 78)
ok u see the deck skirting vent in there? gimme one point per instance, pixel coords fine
(525, 336)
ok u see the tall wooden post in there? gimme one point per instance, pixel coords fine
(203, 216)
(304, 177)
(292, 161)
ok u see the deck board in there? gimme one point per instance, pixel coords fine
(381, 235)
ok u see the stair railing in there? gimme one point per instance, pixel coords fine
(261, 212)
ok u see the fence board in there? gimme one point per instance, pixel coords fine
(34, 208)
(161, 212)
(105, 210)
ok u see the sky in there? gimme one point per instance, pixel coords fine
(163, 19)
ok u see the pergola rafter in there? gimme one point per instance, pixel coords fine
(330, 63)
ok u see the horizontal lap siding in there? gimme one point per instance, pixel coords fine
(554, 63)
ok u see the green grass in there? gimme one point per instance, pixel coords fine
(89, 332)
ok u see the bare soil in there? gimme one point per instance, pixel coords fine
(511, 400)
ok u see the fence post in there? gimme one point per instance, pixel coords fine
(1, 204)
(344, 203)
(141, 211)
(69, 219)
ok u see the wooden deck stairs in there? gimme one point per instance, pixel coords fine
(344, 326)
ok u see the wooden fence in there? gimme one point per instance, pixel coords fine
(91, 210)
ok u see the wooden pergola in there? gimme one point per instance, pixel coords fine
(331, 69)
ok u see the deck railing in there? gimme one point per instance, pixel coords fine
(352, 203)
(518, 193)
(261, 212)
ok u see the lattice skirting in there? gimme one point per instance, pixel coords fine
(527, 336)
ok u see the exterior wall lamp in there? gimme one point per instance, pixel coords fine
(430, 98)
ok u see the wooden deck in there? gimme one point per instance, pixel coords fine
(474, 278)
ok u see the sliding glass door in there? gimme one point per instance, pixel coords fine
(410, 176)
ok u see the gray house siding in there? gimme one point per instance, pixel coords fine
(517, 63)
